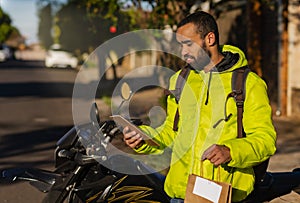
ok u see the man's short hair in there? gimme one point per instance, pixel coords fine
(204, 23)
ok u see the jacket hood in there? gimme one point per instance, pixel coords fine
(233, 58)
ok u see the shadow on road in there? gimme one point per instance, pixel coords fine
(21, 64)
(30, 145)
(38, 89)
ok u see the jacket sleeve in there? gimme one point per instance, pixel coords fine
(163, 134)
(260, 141)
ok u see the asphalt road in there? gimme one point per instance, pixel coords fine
(35, 111)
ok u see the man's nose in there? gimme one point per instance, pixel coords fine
(184, 51)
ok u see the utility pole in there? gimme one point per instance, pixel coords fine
(283, 65)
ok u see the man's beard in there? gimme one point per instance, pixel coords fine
(202, 60)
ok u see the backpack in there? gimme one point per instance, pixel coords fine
(238, 82)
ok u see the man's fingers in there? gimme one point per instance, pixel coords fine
(217, 162)
(217, 154)
(125, 130)
(131, 138)
(129, 135)
(208, 153)
(214, 159)
(132, 143)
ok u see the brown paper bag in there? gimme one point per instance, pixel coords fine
(202, 190)
(190, 197)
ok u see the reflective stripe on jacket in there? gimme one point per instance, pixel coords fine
(197, 132)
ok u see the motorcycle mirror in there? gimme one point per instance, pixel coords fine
(125, 91)
(94, 113)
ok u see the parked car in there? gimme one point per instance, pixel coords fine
(5, 53)
(2, 56)
(60, 58)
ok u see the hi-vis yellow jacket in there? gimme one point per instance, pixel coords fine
(201, 106)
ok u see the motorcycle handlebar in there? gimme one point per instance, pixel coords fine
(65, 154)
(107, 131)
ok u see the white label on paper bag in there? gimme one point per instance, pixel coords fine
(207, 189)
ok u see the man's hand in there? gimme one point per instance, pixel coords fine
(132, 139)
(217, 154)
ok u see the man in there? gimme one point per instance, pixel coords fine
(204, 132)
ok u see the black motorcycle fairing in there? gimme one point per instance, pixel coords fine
(102, 183)
(72, 141)
(77, 185)
(40, 179)
(68, 140)
(29, 174)
(137, 176)
(126, 165)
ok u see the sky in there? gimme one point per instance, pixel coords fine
(23, 14)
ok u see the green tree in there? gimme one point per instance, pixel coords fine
(84, 25)
(45, 26)
(5, 26)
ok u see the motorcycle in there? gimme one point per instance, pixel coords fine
(86, 172)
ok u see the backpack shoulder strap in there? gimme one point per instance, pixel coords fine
(181, 79)
(239, 77)
(238, 86)
(183, 75)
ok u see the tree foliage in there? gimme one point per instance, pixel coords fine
(86, 24)
(5, 26)
(45, 26)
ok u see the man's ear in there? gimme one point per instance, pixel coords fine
(211, 39)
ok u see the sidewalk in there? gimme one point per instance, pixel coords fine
(287, 156)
